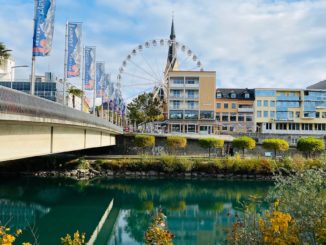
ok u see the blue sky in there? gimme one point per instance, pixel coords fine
(249, 43)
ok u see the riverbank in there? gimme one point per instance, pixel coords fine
(174, 166)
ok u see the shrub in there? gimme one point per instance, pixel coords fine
(158, 233)
(243, 143)
(176, 142)
(144, 141)
(211, 143)
(276, 145)
(310, 146)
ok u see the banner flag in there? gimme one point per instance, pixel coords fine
(107, 79)
(74, 49)
(89, 69)
(100, 76)
(43, 27)
(111, 95)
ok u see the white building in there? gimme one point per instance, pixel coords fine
(6, 73)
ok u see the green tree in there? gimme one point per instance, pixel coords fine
(176, 142)
(310, 146)
(144, 108)
(75, 92)
(211, 143)
(144, 141)
(4, 53)
(276, 145)
(243, 143)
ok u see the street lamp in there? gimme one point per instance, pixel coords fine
(14, 67)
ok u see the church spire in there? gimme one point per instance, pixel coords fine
(172, 63)
(172, 35)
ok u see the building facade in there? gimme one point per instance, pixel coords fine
(235, 110)
(7, 73)
(191, 102)
(290, 111)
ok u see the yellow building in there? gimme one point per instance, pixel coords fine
(191, 101)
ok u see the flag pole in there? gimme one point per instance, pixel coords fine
(32, 88)
(94, 92)
(83, 78)
(65, 65)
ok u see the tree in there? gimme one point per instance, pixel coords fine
(243, 143)
(176, 142)
(276, 145)
(310, 146)
(4, 53)
(143, 141)
(211, 143)
(75, 92)
(144, 108)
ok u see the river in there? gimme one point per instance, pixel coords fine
(198, 211)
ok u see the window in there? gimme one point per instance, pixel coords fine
(233, 95)
(218, 95)
(190, 93)
(281, 126)
(258, 113)
(297, 114)
(265, 114)
(226, 105)
(291, 114)
(248, 117)
(178, 81)
(218, 105)
(191, 115)
(175, 104)
(268, 126)
(218, 116)
(233, 117)
(258, 102)
(240, 118)
(191, 128)
(190, 82)
(320, 127)
(323, 115)
(176, 128)
(224, 127)
(206, 115)
(272, 103)
(265, 103)
(176, 114)
(291, 94)
(225, 116)
(317, 114)
(272, 114)
(265, 92)
(294, 126)
(306, 126)
(192, 105)
(234, 105)
(247, 95)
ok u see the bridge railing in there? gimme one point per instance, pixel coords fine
(19, 103)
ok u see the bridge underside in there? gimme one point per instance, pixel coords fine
(23, 139)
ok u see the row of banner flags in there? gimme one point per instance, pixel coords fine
(94, 75)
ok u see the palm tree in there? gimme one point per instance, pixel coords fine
(4, 53)
(75, 92)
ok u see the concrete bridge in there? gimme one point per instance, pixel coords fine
(32, 126)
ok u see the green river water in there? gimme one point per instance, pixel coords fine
(198, 211)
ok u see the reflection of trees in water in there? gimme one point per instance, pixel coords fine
(137, 223)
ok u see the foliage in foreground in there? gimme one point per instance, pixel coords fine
(158, 233)
(8, 238)
(77, 239)
(297, 217)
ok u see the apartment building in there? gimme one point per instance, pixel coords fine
(191, 102)
(290, 111)
(235, 110)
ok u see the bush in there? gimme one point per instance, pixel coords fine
(276, 145)
(310, 146)
(176, 142)
(144, 141)
(243, 143)
(211, 143)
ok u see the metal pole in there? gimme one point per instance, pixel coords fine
(65, 66)
(83, 78)
(32, 88)
(94, 93)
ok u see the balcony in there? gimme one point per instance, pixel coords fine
(196, 85)
(176, 85)
(288, 98)
(250, 110)
(176, 97)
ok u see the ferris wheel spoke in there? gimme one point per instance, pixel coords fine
(150, 67)
(142, 69)
(139, 76)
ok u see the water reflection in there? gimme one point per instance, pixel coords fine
(198, 212)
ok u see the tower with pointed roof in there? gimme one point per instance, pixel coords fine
(172, 62)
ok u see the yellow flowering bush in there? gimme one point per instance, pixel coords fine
(8, 238)
(77, 239)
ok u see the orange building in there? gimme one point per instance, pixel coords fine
(235, 110)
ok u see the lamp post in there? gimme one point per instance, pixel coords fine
(14, 67)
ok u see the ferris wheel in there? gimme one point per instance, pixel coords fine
(146, 67)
